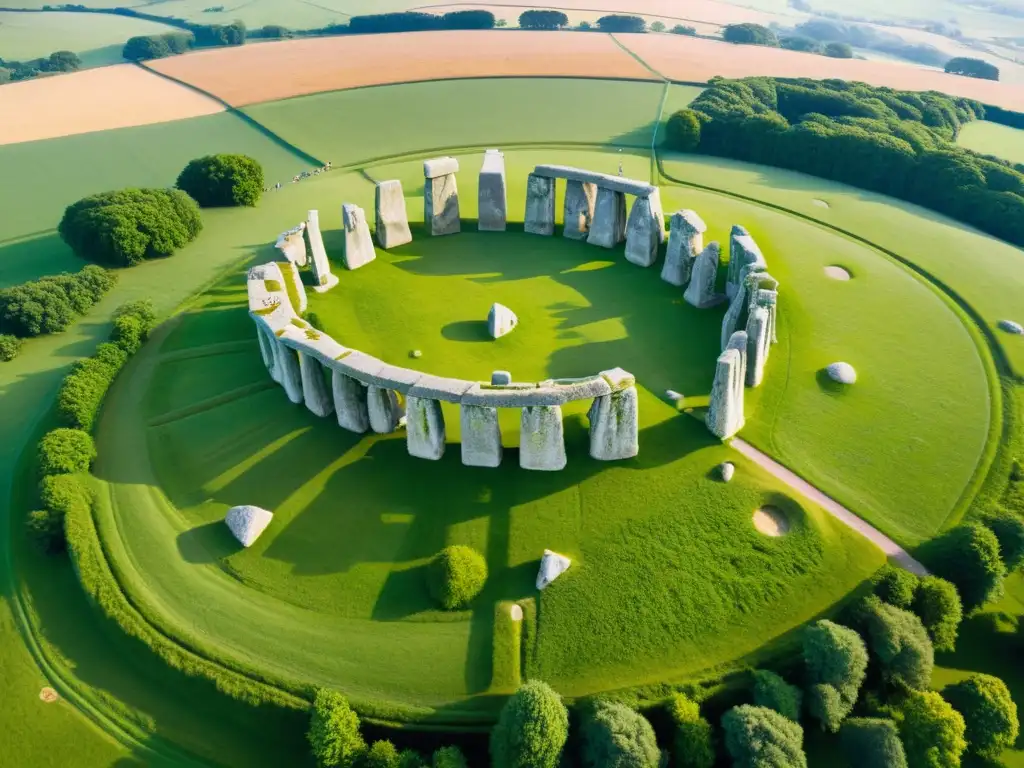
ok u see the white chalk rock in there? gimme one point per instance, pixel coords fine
(501, 320)
(1011, 327)
(726, 470)
(552, 565)
(843, 373)
(247, 522)
(674, 396)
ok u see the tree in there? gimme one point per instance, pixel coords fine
(179, 42)
(682, 29)
(872, 743)
(901, 643)
(968, 556)
(127, 333)
(449, 757)
(756, 737)
(693, 745)
(334, 731)
(222, 180)
(62, 61)
(615, 736)
(964, 65)
(144, 47)
(381, 755)
(543, 20)
(682, 132)
(531, 730)
(141, 309)
(409, 758)
(10, 345)
(773, 692)
(6, 75)
(1009, 532)
(989, 714)
(501, 23)
(938, 606)
(836, 660)
(932, 731)
(657, 27)
(620, 23)
(66, 451)
(839, 50)
(456, 575)
(476, 19)
(273, 32)
(749, 34)
(800, 43)
(895, 586)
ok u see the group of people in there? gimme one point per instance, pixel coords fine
(300, 176)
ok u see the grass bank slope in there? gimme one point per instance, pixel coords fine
(993, 139)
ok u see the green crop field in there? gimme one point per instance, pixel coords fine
(993, 139)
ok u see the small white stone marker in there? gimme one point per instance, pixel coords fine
(727, 470)
(516, 612)
(552, 565)
(842, 373)
(500, 321)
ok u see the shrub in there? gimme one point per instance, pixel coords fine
(51, 304)
(620, 23)
(932, 731)
(273, 32)
(756, 737)
(901, 643)
(82, 391)
(773, 692)
(141, 309)
(65, 451)
(456, 575)
(749, 34)
(968, 556)
(531, 730)
(449, 757)
(144, 47)
(381, 755)
(59, 495)
(965, 65)
(61, 61)
(409, 758)
(682, 132)
(658, 27)
(895, 586)
(126, 227)
(872, 743)
(222, 180)
(836, 660)
(46, 529)
(10, 346)
(692, 746)
(989, 714)
(179, 42)
(1009, 532)
(800, 43)
(543, 20)
(615, 736)
(334, 731)
(839, 50)
(938, 606)
(127, 333)
(681, 29)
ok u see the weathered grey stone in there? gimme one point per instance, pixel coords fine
(500, 378)
(618, 378)
(391, 217)
(493, 202)
(614, 426)
(540, 206)
(741, 343)
(726, 471)
(542, 438)
(658, 213)
(578, 389)
(758, 343)
(701, 290)
(481, 436)
(1011, 327)
(725, 415)
(291, 272)
(266, 348)
(743, 251)
(441, 205)
(441, 388)
(323, 279)
(247, 522)
(608, 228)
(350, 403)
(440, 166)
(358, 245)
(552, 565)
(291, 376)
(515, 396)
(384, 410)
(579, 209)
(843, 373)
(424, 428)
(393, 377)
(739, 305)
(614, 183)
(314, 386)
(685, 242)
(292, 245)
(642, 234)
(500, 321)
(359, 365)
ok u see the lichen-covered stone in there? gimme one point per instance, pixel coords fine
(292, 245)
(394, 377)
(614, 426)
(701, 291)
(658, 213)
(350, 403)
(643, 234)
(580, 198)
(500, 378)
(743, 251)
(579, 389)
(1011, 326)
(323, 279)
(291, 377)
(290, 272)
(500, 321)
(391, 216)
(552, 565)
(758, 343)
(542, 438)
(358, 244)
(247, 522)
(516, 396)
(266, 348)
(843, 373)
(384, 410)
(481, 436)
(441, 205)
(685, 242)
(614, 183)
(725, 415)
(424, 428)
(440, 166)
(314, 386)
(608, 228)
(540, 206)
(493, 201)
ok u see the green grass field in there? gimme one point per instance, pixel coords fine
(993, 139)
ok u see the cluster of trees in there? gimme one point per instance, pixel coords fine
(144, 47)
(455, 576)
(222, 180)
(964, 65)
(415, 21)
(835, 50)
(827, 30)
(56, 62)
(898, 143)
(621, 23)
(538, 19)
(750, 34)
(756, 34)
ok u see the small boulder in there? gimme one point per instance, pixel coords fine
(501, 320)
(675, 397)
(552, 565)
(842, 373)
(1011, 327)
(501, 378)
(247, 522)
(416, 354)
(726, 470)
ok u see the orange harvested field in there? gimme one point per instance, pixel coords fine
(695, 59)
(272, 71)
(94, 100)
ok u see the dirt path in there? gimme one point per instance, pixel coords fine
(893, 551)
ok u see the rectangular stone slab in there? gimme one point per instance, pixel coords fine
(393, 377)
(579, 389)
(492, 198)
(614, 183)
(440, 388)
(391, 216)
(439, 166)
(513, 398)
(359, 366)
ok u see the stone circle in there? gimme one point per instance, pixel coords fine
(842, 373)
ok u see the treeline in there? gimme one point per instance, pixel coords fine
(55, 63)
(143, 47)
(898, 143)
(756, 34)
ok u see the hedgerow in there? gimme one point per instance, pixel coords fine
(66, 451)
(10, 346)
(82, 391)
(51, 304)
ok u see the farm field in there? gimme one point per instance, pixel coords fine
(993, 139)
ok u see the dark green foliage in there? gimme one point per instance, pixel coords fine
(989, 714)
(800, 43)
(836, 660)
(51, 304)
(839, 50)
(872, 743)
(46, 530)
(543, 20)
(895, 586)
(531, 730)
(456, 575)
(410, 21)
(901, 643)
(682, 132)
(10, 346)
(410, 759)
(272, 32)
(6, 75)
(127, 332)
(222, 180)
(775, 693)
(615, 736)
(749, 34)
(334, 731)
(449, 757)
(65, 451)
(968, 556)
(59, 496)
(146, 47)
(682, 29)
(693, 744)
(938, 606)
(756, 737)
(476, 19)
(61, 61)
(964, 65)
(125, 227)
(1002, 116)
(382, 754)
(1009, 532)
(82, 391)
(621, 23)
(219, 34)
(179, 42)
(141, 309)
(932, 732)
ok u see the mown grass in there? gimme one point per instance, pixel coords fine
(993, 139)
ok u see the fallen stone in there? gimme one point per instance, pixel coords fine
(358, 245)
(441, 197)
(314, 386)
(552, 565)
(701, 291)
(391, 216)
(500, 321)
(425, 431)
(608, 228)
(685, 242)
(500, 378)
(350, 403)
(614, 425)
(493, 202)
(579, 209)
(842, 373)
(1011, 327)
(726, 471)
(542, 438)
(384, 410)
(247, 522)
(481, 436)
(540, 206)
(643, 234)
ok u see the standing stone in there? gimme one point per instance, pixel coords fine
(350, 403)
(424, 425)
(580, 197)
(358, 245)
(614, 419)
(314, 386)
(658, 212)
(701, 291)
(642, 234)
(540, 205)
(441, 196)
(725, 413)
(493, 203)
(743, 251)
(391, 217)
(735, 317)
(384, 410)
(290, 272)
(685, 242)
(292, 245)
(500, 321)
(741, 343)
(481, 436)
(542, 438)
(608, 228)
(291, 376)
(323, 279)
(266, 349)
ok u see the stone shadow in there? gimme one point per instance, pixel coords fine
(209, 543)
(467, 330)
